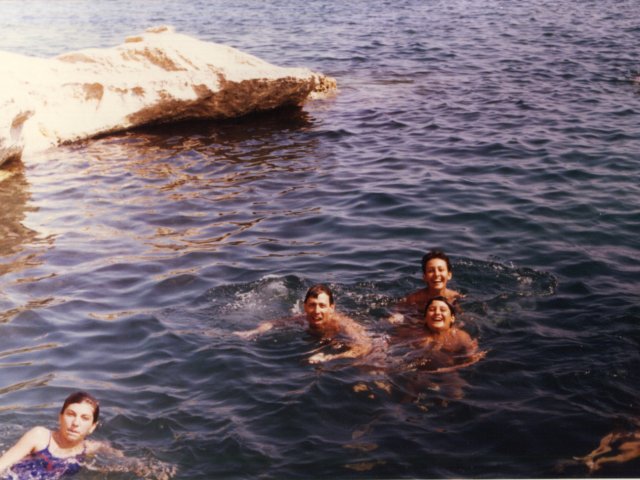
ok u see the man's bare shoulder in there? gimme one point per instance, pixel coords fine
(460, 335)
(453, 295)
(341, 317)
(415, 298)
(347, 323)
(463, 340)
(297, 319)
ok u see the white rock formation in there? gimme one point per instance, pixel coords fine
(157, 77)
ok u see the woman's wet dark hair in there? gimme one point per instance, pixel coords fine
(435, 254)
(440, 298)
(80, 397)
(316, 290)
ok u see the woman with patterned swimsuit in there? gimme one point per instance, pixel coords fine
(44, 455)
(43, 465)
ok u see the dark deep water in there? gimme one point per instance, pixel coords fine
(506, 133)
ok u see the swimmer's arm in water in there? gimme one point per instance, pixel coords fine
(263, 327)
(627, 454)
(604, 447)
(28, 443)
(95, 447)
(467, 348)
(628, 451)
(114, 460)
(395, 318)
(476, 357)
(359, 342)
(468, 345)
(266, 326)
(404, 305)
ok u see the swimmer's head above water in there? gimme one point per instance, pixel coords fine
(436, 270)
(439, 314)
(318, 289)
(435, 254)
(44, 453)
(436, 273)
(319, 306)
(83, 397)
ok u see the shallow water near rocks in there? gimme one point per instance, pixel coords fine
(505, 134)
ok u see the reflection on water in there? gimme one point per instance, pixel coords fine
(196, 187)
(14, 198)
(21, 247)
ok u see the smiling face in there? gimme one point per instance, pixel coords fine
(76, 422)
(438, 316)
(319, 311)
(436, 274)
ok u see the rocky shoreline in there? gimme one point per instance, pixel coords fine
(159, 76)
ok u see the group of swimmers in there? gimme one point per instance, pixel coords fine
(44, 454)
(435, 303)
(48, 455)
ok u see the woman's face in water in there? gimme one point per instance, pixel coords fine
(76, 422)
(438, 316)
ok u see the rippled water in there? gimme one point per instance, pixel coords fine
(505, 133)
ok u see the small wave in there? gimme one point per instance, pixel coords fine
(28, 384)
(493, 282)
(35, 348)
(268, 298)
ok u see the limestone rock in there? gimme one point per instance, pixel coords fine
(157, 77)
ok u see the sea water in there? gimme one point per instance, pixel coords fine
(505, 133)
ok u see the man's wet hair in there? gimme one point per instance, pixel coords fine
(440, 298)
(316, 290)
(435, 254)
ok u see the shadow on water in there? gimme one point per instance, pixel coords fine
(197, 187)
(14, 198)
(21, 247)
(231, 138)
(235, 130)
(192, 158)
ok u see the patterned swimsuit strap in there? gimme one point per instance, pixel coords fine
(79, 455)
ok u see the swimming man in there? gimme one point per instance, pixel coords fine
(325, 323)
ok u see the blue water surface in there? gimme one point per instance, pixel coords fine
(506, 133)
